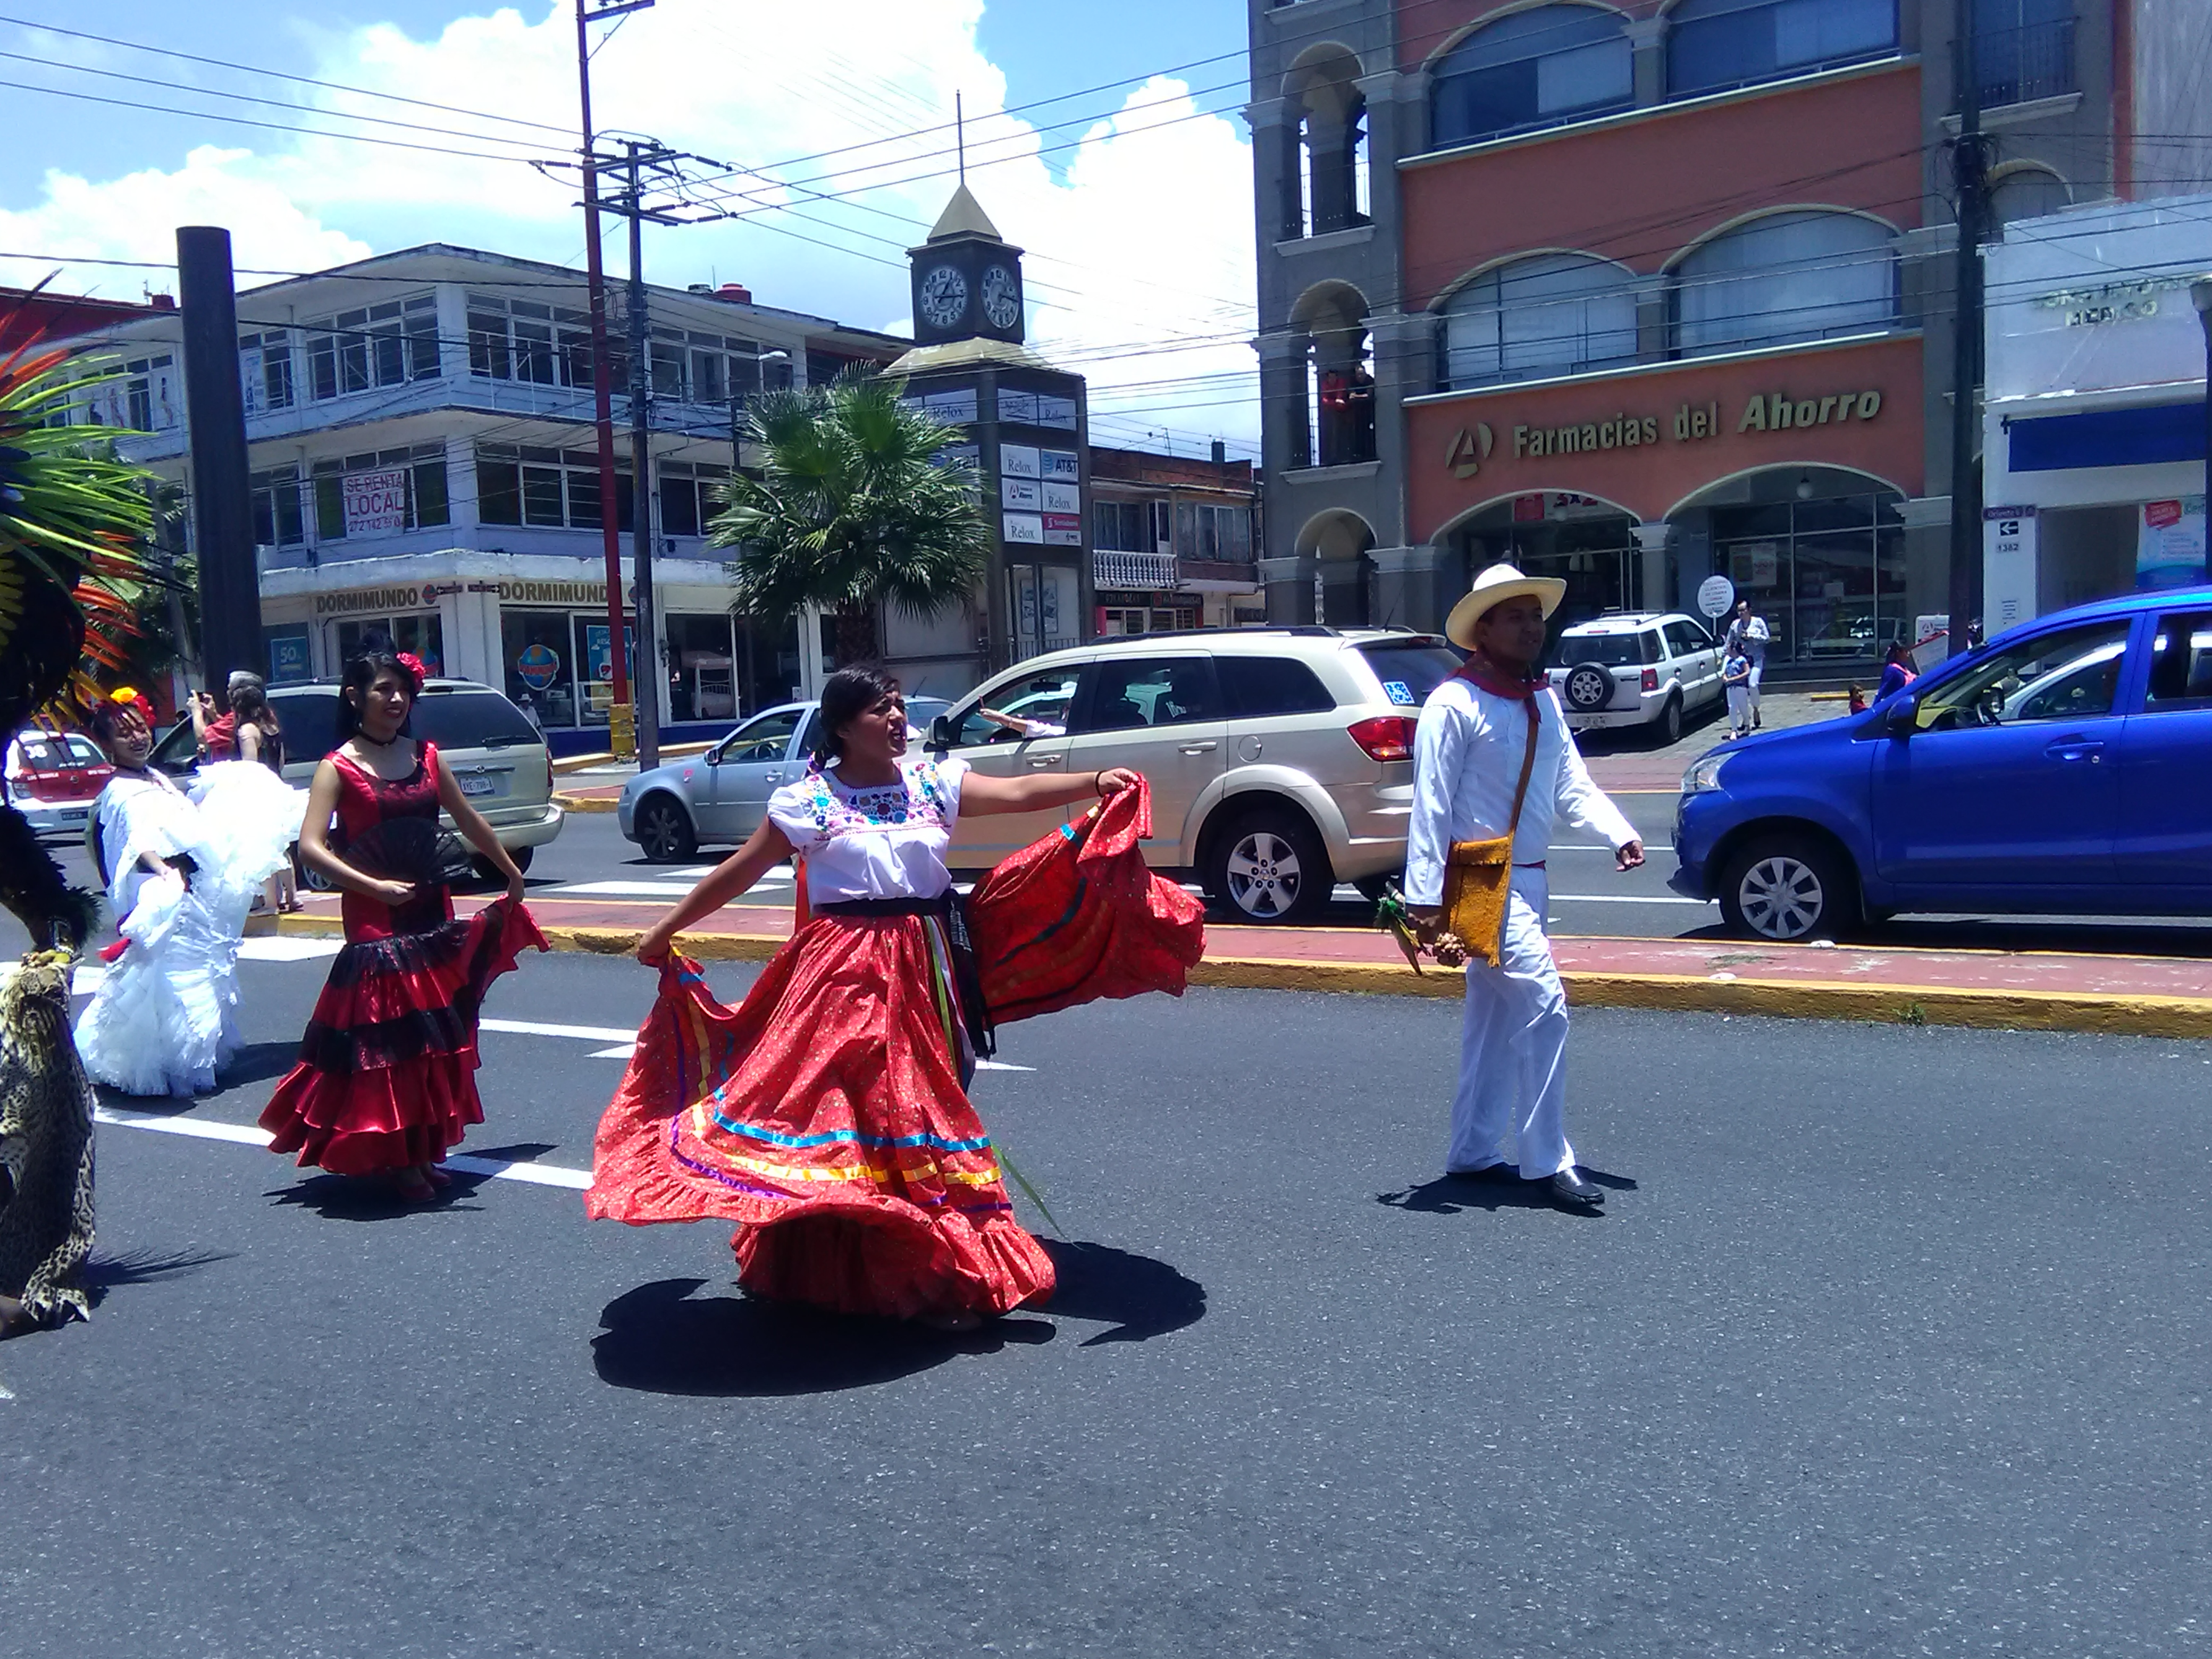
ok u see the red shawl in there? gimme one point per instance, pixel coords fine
(1078, 917)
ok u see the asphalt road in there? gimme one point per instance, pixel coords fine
(1890, 1341)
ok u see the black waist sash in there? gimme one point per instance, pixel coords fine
(951, 909)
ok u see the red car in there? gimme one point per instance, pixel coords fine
(54, 778)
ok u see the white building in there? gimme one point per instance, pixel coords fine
(419, 429)
(2094, 446)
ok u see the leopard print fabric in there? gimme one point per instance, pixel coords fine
(46, 1143)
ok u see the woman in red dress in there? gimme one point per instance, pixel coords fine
(832, 1121)
(386, 1076)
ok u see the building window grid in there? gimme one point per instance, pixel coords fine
(547, 489)
(428, 501)
(1719, 45)
(1782, 279)
(371, 347)
(265, 369)
(688, 492)
(1554, 314)
(278, 518)
(1532, 69)
(2023, 50)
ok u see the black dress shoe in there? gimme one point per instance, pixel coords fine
(1575, 1190)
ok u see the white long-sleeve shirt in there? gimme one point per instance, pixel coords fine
(1467, 759)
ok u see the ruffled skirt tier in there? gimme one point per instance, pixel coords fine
(824, 1115)
(387, 1074)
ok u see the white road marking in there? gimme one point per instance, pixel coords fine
(244, 1134)
(583, 1033)
(277, 947)
(620, 1051)
(667, 890)
(1626, 898)
(1001, 1065)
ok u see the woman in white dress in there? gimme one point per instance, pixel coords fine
(180, 876)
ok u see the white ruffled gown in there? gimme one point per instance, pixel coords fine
(163, 1021)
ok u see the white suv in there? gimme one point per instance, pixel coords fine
(1637, 668)
(1280, 759)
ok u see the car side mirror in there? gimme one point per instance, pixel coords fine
(1902, 718)
(943, 734)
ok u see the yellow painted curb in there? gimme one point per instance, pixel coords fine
(568, 803)
(2095, 1012)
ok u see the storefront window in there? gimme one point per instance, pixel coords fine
(702, 682)
(1046, 603)
(767, 667)
(538, 662)
(557, 488)
(1585, 544)
(1827, 575)
(424, 635)
(590, 638)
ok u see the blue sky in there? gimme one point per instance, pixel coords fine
(1119, 264)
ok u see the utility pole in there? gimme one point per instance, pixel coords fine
(1970, 167)
(648, 686)
(621, 727)
(214, 413)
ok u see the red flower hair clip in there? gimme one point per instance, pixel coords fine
(131, 696)
(413, 665)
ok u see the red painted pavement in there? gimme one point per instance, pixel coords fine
(1675, 960)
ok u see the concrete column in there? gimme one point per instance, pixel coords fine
(1647, 41)
(1651, 564)
(1405, 355)
(1405, 587)
(1289, 585)
(1345, 597)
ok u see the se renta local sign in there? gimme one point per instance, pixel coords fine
(374, 501)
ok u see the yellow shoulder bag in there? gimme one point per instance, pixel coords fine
(1478, 874)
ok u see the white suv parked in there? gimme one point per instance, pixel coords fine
(1637, 668)
(1280, 759)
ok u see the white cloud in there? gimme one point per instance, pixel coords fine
(1146, 238)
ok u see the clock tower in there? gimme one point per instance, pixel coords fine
(967, 278)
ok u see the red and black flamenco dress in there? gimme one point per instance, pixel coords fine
(387, 1074)
(826, 1114)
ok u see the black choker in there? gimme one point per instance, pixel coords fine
(380, 743)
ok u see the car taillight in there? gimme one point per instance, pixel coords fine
(1385, 738)
(1651, 679)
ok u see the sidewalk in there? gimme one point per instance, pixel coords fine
(2127, 995)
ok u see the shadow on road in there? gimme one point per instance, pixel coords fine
(1453, 1194)
(133, 1267)
(658, 1339)
(1139, 1297)
(368, 1198)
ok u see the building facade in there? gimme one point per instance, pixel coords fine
(424, 465)
(2095, 421)
(1174, 541)
(1637, 294)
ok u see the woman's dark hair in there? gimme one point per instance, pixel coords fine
(375, 657)
(106, 716)
(249, 701)
(847, 694)
(1900, 654)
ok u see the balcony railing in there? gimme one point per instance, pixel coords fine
(2017, 66)
(1132, 570)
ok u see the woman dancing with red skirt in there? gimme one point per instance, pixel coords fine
(386, 1076)
(840, 1137)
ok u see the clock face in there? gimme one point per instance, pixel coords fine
(943, 297)
(1002, 297)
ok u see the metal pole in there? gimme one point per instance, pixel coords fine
(2201, 292)
(1966, 344)
(215, 411)
(647, 688)
(621, 733)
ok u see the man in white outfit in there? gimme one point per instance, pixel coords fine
(1467, 755)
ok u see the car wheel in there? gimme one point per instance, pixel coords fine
(1589, 688)
(1668, 727)
(1787, 888)
(663, 830)
(1270, 867)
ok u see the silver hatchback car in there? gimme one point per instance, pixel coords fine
(1280, 759)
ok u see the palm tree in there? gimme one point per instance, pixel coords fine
(856, 507)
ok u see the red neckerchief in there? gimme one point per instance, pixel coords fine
(1482, 672)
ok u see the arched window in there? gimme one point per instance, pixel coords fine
(1531, 70)
(1714, 44)
(1787, 277)
(1559, 313)
(2027, 193)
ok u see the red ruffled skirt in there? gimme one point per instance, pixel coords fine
(386, 1076)
(825, 1117)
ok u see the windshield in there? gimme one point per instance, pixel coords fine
(1609, 650)
(1410, 671)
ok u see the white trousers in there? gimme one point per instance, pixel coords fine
(1513, 1049)
(1758, 673)
(1741, 701)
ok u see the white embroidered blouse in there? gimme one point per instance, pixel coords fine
(880, 844)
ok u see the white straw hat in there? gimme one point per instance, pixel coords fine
(1494, 586)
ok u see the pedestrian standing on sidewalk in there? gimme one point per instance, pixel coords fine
(1471, 746)
(1749, 632)
(1736, 675)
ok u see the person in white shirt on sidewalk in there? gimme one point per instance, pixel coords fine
(1467, 754)
(1749, 633)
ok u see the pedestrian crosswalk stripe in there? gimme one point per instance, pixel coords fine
(245, 1134)
(540, 1028)
(670, 890)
